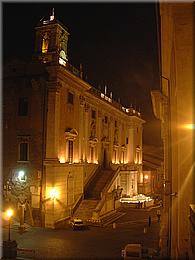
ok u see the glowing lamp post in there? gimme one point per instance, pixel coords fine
(9, 214)
(9, 247)
(21, 176)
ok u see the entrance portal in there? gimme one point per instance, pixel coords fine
(105, 159)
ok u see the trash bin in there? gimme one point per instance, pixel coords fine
(9, 249)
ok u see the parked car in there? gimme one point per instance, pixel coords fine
(78, 224)
(136, 251)
(132, 251)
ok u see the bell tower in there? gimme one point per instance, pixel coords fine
(51, 38)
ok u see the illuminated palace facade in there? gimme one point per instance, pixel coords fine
(63, 138)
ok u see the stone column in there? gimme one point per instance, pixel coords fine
(53, 118)
(141, 146)
(110, 138)
(99, 144)
(81, 128)
(86, 132)
(131, 144)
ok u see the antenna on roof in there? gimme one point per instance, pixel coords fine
(52, 16)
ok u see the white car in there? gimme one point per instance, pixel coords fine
(77, 224)
(132, 251)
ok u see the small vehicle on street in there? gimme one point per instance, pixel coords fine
(78, 224)
(132, 251)
(137, 251)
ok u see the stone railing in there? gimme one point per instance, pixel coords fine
(104, 193)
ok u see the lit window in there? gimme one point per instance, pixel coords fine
(23, 106)
(70, 98)
(23, 151)
(45, 44)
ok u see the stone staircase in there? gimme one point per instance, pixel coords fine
(92, 194)
(85, 209)
(98, 184)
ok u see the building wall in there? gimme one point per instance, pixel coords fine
(72, 128)
(110, 130)
(176, 111)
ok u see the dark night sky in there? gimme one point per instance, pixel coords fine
(115, 42)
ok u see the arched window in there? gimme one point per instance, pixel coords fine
(45, 44)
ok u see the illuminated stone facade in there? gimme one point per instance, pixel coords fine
(174, 106)
(70, 130)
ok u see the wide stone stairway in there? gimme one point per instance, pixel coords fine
(98, 184)
(85, 209)
(92, 194)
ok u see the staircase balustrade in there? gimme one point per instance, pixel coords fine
(76, 204)
(104, 193)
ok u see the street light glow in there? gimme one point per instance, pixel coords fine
(9, 213)
(53, 193)
(188, 126)
(21, 175)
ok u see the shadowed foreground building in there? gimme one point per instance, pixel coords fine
(174, 104)
(67, 147)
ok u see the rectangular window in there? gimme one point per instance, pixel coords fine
(93, 114)
(70, 151)
(106, 119)
(92, 154)
(115, 123)
(70, 98)
(123, 157)
(23, 151)
(127, 140)
(23, 106)
(115, 156)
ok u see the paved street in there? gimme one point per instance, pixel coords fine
(96, 243)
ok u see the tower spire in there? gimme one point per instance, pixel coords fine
(52, 16)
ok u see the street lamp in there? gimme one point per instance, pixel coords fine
(22, 176)
(53, 193)
(9, 214)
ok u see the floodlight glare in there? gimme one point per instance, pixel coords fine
(53, 193)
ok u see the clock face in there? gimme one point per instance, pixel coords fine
(63, 55)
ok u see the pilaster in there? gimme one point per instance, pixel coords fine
(86, 152)
(81, 128)
(53, 119)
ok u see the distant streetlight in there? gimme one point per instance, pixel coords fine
(9, 214)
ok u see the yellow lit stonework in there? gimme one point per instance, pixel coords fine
(78, 132)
